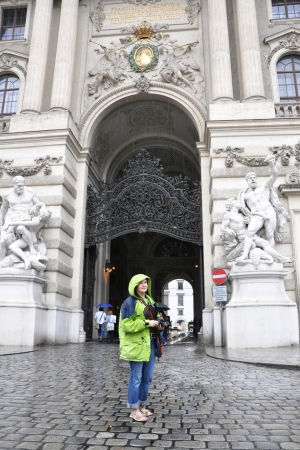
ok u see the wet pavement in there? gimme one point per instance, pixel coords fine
(73, 397)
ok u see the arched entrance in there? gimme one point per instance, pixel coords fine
(147, 194)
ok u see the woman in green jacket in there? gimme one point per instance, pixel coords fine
(137, 333)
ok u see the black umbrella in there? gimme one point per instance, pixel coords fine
(161, 306)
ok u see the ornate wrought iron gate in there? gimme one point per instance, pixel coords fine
(144, 199)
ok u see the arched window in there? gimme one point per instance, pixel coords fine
(9, 93)
(285, 9)
(288, 73)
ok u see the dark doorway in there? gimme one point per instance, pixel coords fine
(88, 289)
(162, 258)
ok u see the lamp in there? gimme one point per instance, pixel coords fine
(108, 267)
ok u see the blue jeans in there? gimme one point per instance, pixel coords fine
(163, 339)
(101, 330)
(141, 374)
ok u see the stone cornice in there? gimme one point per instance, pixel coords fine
(289, 189)
(275, 126)
(281, 34)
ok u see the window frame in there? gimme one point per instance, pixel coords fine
(180, 297)
(274, 22)
(7, 75)
(21, 4)
(294, 72)
(286, 11)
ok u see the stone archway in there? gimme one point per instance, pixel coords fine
(169, 136)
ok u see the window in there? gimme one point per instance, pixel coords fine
(166, 299)
(9, 93)
(180, 312)
(180, 300)
(13, 24)
(285, 9)
(180, 285)
(288, 74)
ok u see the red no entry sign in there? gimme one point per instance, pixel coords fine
(219, 276)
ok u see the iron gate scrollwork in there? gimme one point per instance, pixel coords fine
(144, 199)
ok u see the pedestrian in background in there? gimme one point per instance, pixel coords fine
(100, 319)
(138, 333)
(110, 326)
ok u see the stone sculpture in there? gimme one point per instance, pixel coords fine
(165, 62)
(175, 69)
(254, 221)
(22, 216)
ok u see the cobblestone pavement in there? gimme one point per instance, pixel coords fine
(73, 397)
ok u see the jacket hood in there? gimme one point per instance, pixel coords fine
(135, 280)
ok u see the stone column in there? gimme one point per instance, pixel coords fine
(253, 86)
(221, 78)
(65, 55)
(34, 88)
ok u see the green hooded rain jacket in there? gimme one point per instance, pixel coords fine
(134, 331)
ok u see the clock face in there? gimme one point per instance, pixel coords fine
(143, 56)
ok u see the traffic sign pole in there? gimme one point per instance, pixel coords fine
(219, 276)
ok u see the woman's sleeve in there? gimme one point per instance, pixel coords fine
(131, 322)
(134, 324)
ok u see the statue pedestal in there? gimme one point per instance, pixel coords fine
(259, 313)
(22, 308)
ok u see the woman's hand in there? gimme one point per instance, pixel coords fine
(153, 323)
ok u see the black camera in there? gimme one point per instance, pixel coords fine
(162, 322)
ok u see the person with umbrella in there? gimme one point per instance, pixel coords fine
(101, 319)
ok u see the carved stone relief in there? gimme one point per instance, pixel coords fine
(193, 8)
(293, 177)
(159, 57)
(100, 147)
(98, 16)
(7, 61)
(283, 151)
(149, 117)
(288, 40)
(142, 84)
(141, 2)
(41, 163)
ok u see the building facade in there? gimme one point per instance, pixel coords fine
(208, 88)
(178, 295)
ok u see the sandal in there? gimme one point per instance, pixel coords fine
(138, 416)
(146, 413)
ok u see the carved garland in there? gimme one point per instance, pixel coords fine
(27, 171)
(284, 152)
(153, 62)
